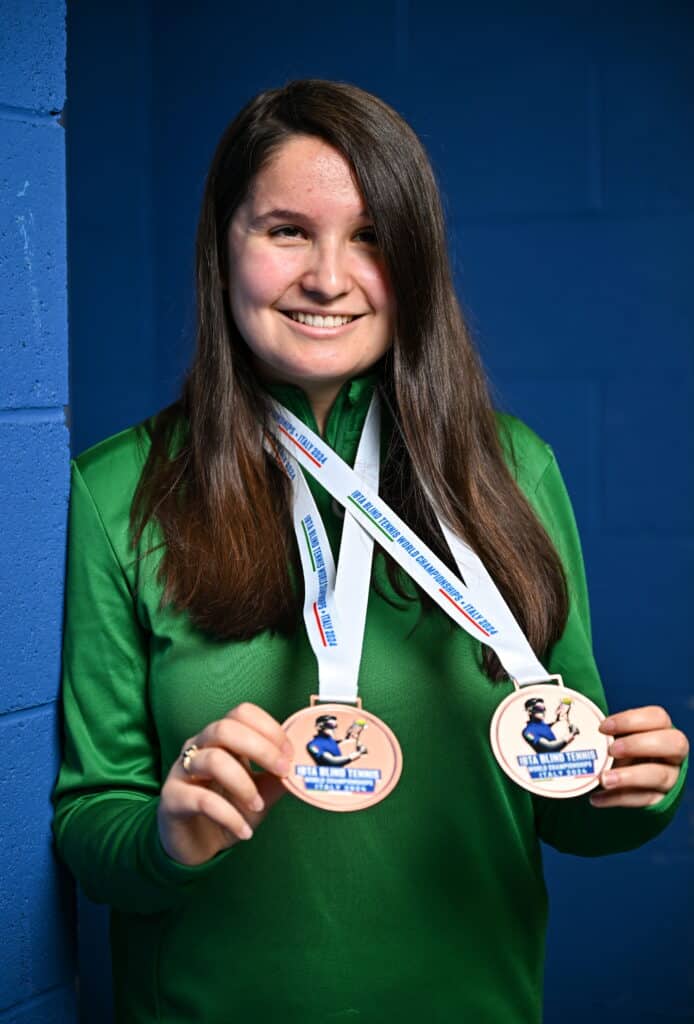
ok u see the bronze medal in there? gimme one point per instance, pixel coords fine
(547, 739)
(345, 759)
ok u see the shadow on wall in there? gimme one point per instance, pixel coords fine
(95, 989)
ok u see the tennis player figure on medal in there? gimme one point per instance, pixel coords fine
(324, 748)
(542, 736)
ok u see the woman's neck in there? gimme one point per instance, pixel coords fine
(321, 401)
(321, 396)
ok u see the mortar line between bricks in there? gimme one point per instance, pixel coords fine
(31, 1001)
(27, 115)
(38, 414)
(30, 711)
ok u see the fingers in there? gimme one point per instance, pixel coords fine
(643, 719)
(626, 798)
(186, 801)
(213, 764)
(254, 717)
(257, 742)
(663, 744)
(211, 798)
(635, 785)
(653, 776)
(648, 751)
(270, 788)
(225, 749)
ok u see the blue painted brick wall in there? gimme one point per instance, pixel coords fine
(37, 962)
(33, 366)
(564, 142)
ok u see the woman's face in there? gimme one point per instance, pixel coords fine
(308, 287)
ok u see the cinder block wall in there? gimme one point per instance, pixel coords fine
(36, 959)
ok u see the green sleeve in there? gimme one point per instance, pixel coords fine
(575, 826)
(107, 792)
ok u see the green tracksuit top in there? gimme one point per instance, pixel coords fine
(430, 905)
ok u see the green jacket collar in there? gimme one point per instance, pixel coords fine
(346, 418)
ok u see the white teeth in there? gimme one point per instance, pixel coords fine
(313, 320)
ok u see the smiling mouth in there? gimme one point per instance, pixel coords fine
(314, 320)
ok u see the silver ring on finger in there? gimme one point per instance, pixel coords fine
(187, 757)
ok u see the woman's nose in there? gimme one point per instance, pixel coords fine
(327, 273)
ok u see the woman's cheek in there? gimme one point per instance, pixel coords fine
(375, 281)
(272, 271)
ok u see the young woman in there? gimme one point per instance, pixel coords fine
(322, 279)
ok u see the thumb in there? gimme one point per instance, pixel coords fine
(269, 787)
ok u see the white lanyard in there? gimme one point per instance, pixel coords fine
(335, 607)
(335, 600)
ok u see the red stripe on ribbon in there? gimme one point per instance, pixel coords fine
(299, 446)
(318, 622)
(462, 612)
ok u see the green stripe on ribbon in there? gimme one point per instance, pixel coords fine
(308, 545)
(357, 505)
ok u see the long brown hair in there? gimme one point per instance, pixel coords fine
(207, 482)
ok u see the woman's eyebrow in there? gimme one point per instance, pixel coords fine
(289, 215)
(277, 214)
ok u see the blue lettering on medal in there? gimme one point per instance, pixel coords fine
(338, 780)
(559, 764)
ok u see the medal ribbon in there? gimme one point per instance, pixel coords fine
(335, 604)
(335, 599)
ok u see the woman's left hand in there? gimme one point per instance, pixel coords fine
(648, 753)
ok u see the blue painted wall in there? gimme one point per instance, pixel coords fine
(564, 143)
(37, 961)
(109, 204)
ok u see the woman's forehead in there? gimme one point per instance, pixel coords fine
(306, 172)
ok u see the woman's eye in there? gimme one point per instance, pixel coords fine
(367, 235)
(286, 231)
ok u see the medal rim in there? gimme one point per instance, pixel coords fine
(364, 800)
(529, 786)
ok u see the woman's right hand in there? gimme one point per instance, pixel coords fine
(218, 800)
